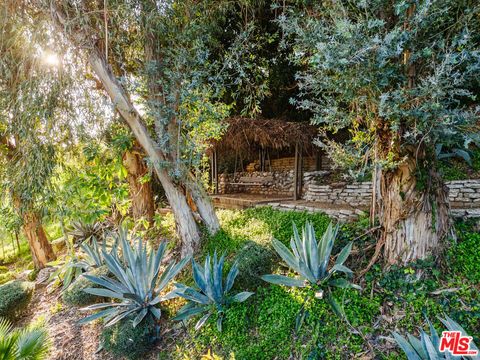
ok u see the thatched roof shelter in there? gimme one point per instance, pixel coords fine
(245, 135)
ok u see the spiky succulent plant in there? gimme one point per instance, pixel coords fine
(136, 283)
(211, 294)
(427, 347)
(94, 252)
(84, 232)
(310, 259)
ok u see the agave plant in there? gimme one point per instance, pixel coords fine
(136, 284)
(427, 346)
(211, 294)
(310, 259)
(84, 232)
(94, 252)
(29, 343)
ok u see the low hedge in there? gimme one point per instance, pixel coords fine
(124, 340)
(74, 294)
(14, 298)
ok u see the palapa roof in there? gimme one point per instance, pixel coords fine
(246, 134)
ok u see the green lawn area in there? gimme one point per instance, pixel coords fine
(264, 327)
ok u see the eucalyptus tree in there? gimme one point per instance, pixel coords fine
(402, 77)
(29, 99)
(152, 59)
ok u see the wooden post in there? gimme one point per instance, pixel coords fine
(300, 173)
(211, 170)
(215, 171)
(295, 175)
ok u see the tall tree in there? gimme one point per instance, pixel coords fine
(28, 102)
(401, 76)
(139, 51)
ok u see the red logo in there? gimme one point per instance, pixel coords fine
(456, 344)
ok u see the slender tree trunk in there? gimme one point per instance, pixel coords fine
(204, 205)
(140, 192)
(42, 251)
(186, 226)
(18, 242)
(185, 221)
(414, 216)
(195, 192)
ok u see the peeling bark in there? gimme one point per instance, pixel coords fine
(140, 192)
(175, 191)
(414, 218)
(41, 249)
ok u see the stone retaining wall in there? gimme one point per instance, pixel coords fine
(462, 193)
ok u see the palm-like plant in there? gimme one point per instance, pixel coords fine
(212, 292)
(427, 346)
(136, 283)
(31, 344)
(310, 259)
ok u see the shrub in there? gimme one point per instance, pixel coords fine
(75, 295)
(30, 343)
(6, 277)
(125, 340)
(14, 298)
(254, 260)
(465, 257)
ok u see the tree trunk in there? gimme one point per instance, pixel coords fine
(140, 192)
(42, 251)
(414, 215)
(184, 219)
(186, 226)
(204, 205)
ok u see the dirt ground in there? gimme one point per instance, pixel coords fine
(68, 339)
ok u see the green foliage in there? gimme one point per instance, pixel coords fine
(310, 260)
(91, 182)
(259, 225)
(427, 346)
(254, 260)
(125, 340)
(75, 295)
(264, 328)
(6, 277)
(14, 298)
(464, 257)
(211, 295)
(85, 232)
(354, 63)
(22, 344)
(134, 283)
(68, 268)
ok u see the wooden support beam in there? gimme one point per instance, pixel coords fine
(215, 171)
(295, 174)
(300, 173)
